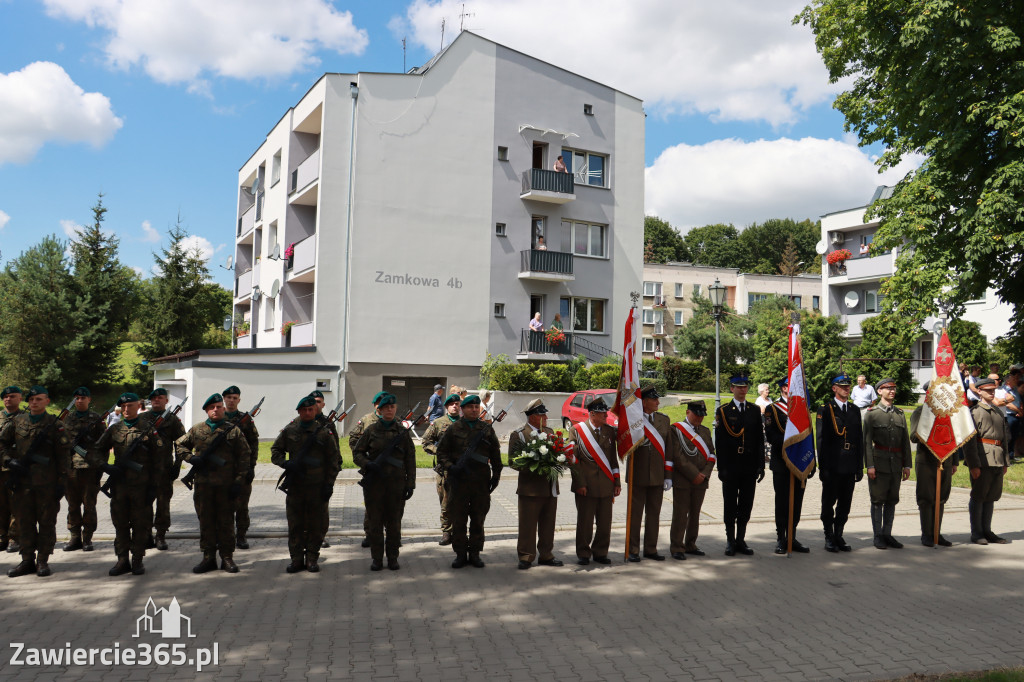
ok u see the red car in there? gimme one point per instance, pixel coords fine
(574, 409)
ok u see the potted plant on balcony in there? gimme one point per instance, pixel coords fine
(242, 329)
(289, 255)
(286, 331)
(555, 337)
(837, 259)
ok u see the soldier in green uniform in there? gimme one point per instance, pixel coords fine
(84, 426)
(232, 396)
(170, 430)
(37, 454)
(8, 519)
(387, 457)
(217, 485)
(538, 496)
(329, 426)
(651, 470)
(926, 467)
(133, 489)
(470, 455)
(431, 437)
(353, 438)
(986, 455)
(887, 460)
(306, 450)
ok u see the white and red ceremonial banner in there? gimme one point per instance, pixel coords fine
(946, 422)
(798, 441)
(628, 409)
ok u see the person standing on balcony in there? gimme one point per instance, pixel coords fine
(535, 324)
(557, 322)
(560, 165)
(541, 246)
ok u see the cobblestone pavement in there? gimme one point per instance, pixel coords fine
(865, 615)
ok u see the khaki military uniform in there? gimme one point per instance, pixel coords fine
(926, 471)
(469, 496)
(8, 519)
(308, 490)
(215, 485)
(687, 496)
(384, 483)
(649, 470)
(431, 437)
(987, 451)
(596, 506)
(83, 480)
(37, 498)
(353, 438)
(133, 492)
(887, 449)
(538, 502)
(170, 430)
(252, 439)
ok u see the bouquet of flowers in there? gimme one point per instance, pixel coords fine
(838, 256)
(555, 336)
(546, 456)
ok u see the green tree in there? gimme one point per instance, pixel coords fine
(890, 334)
(715, 245)
(663, 242)
(943, 80)
(696, 338)
(763, 245)
(969, 344)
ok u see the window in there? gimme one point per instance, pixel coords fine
(588, 109)
(648, 344)
(323, 384)
(269, 314)
(651, 316)
(679, 289)
(816, 302)
(586, 168)
(275, 169)
(499, 229)
(797, 300)
(679, 318)
(499, 310)
(502, 153)
(577, 401)
(871, 301)
(926, 352)
(754, 298)
(587, 239)
(588, 315)
(537, 233)
(652, 288)
(696, 290)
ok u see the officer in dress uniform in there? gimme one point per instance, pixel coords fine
(887, 459)
(987, 457)
(739, 443)
(694, 462)
(651, 470)
(776, 416)
(431, 437)
(840, 459)
(538, 496)
(926, 467)
(595, 480)
(82, 425)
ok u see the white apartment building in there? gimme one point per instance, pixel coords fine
(395, 228)
(668, 291)
(851, 290)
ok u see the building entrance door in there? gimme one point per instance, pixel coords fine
(412, 390)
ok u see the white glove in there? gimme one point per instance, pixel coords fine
(668, 484)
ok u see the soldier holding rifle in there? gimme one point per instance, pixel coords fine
(11, 397)
(169, 429)
(84, 427)
(232, 396)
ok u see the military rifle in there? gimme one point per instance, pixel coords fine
(125, 460)
(290, 476)
(459, 468)
(19, 467)
(384, 457)
(79, 445)
(207, 456)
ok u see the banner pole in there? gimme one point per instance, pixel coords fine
(938, 501)
(629, 503)
(789, 530)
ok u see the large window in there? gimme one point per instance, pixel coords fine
(587, 168)
(926, 353)
(651, 316)
(679, 318)
(679, 289)
(652, 288)
(648, 344)
(587, 239)
(754, 298)
(871, 301)
(588, 315)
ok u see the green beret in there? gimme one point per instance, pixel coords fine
(36, 390)
(127, 398)
(215, 398)
(316, 394)
(386, 399)
(155, 392)
(306, 401)
(453, 398)
(231, 390)
(82, 391)
(376, 398)
(9, 390)
(470, 400)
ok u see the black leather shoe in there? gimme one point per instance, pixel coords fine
(780, 547)
(206, 565)
(550, 562)
(581, 562)
(679, 556)
(446, 539)
(43, 569)
(830, 545)
(120, 568)
(802, 549)
(841, 544)
(460, 561)
(879, 542)
(943, 542)
(654, 557)
(295, 567)
(365, 543)
(87, 546)
(978, 540)
(393, 564)
(603, 560)
(151, 542)
(927, 541)
(161, 543)
(525, 565)
(730, 548)
(634, 558)
(240, 543)
(73, 544)
(228, 565)
(476, 561)
(994, 539)
(24, 568)
(741, 547)
(376, 565)
(696, 551)
(325, 543)
(893, 542)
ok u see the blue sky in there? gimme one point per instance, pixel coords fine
(156, 103)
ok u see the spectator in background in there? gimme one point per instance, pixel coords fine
(863, 395)
(965, 373)
(486, 406)
(436, 407)
(114, 417)
(560, 165)
(541, 246)
(972, 396)
(535, 324)
(763, 401)
(1008, 398)
(557, 322)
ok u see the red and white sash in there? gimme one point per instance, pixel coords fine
(693, 438)
(589, 441)
(782, 406)
(656, 441)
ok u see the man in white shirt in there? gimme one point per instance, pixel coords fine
(863, 395)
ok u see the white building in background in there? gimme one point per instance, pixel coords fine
(852, 290)
(394, 229)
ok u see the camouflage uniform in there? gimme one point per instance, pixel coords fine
(469, 495)
(309, 490)
(8, 519)
(216, 486)
(83, 480)
(431, 438)
(133, 492)
(252, 439)
(37, 499)
(385, 485)
(170, 430)
(353, 438)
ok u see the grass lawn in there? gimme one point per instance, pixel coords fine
(1004, 675)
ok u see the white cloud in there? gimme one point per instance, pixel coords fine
(41, 104)
(70, 228)
(180, 41)
(201, 244)
(732, 60)
(4, 219)
(139, 271)
(731, 181)
(149, 234)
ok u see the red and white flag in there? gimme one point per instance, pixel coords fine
(946, 422)
(628, 407)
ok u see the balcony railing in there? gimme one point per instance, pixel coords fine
(244, 341)
(537, 264)
(247, 221)
(300, 335)
(303, 255)
(243, 284)
(306, 172)
(550, 186)
(575, 344)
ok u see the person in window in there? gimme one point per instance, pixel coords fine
(557, 322)
(864, 249)
(560, 165)
(535, 324)
(541, 246)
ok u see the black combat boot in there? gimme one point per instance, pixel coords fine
(876, 527)
(987, 509)
(87, 542)
(240, 542)
(730, 539)
(365, 543)
(160, 541)
(137, 567)
(27, 566)
(312, 563)
(4, 542)
(74, 543)
(42, 567)
(446, 538)
(14, 547)
(830, 545)
(209, 563)
(121, 567)
(837, 538)
(475, 560)
(927, 526)
(393, 563)
(151, 541)
(460, 561)
(326, 543)
(295, 566)
(378, 564)
(228, 565)
(888, 514)
(974, 511)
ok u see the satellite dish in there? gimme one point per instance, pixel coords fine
(227, 323)
(276, 253)
(230, 262)
(819, 248)
(851, 299)
(255, 186)
(275, 288)
(256, 293)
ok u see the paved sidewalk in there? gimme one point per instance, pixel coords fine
(865, 615)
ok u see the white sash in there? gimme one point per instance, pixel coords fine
(693, 438)
(593, 448)
(656, 441)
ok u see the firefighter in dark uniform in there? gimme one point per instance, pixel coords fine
(739, 444)
(840, 445)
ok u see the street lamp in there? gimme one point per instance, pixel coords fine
(717, 293)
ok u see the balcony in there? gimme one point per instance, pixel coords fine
(300, 189)
(659, 329)
(548, 186)
(865, 268)
(244, 341)
(535, 346)
(853, 322)
(300, 334)
(243, 284)
(247, 221)
(301, 267)
(550, 266)
(659, 301)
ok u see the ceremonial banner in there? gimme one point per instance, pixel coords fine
(945, 422)
(628, 408)
(798, 443)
